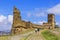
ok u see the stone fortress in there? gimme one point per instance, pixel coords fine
(20, 25)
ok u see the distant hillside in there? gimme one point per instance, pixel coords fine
(4, 32)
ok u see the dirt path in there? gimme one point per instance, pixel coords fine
(35, 36)
(56, 32)
(18, 37)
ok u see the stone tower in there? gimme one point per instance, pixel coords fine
(16, 16)
(51, 20)
(16, 20)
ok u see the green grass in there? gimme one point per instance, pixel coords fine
(49, 36)
(4, 37)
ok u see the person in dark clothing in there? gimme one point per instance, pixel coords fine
(38, 29)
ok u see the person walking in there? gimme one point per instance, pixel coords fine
(38, 29)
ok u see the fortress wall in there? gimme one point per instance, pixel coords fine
(20, 26)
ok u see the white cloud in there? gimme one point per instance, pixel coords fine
(58, 23)
(55, 9)
(29, 15)
(26, 20)
(5, 22)
(39, 15)
(39, 22)
(10, 18)
(37, 12)
(2, 18)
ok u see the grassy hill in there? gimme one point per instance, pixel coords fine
(49, 35)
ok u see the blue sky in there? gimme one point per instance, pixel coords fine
(31, 10)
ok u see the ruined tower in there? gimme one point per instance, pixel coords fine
(16, 16)
(16, 20)
(51, 20)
